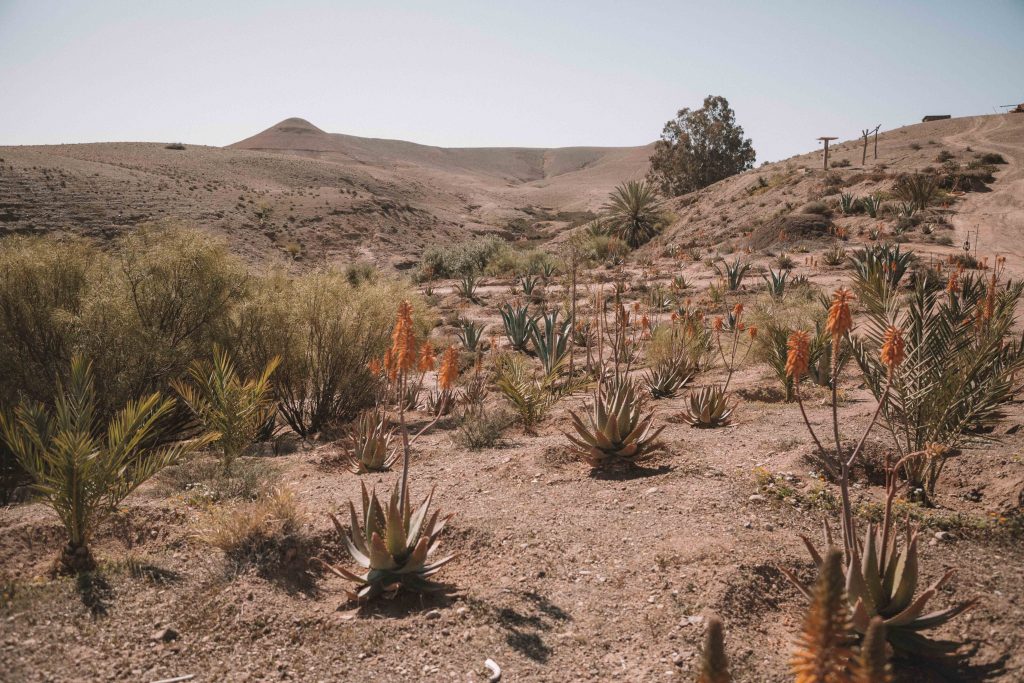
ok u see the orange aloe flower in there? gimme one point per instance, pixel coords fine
(403, 339)
(449, 371)
(798, 354)
(427, 360)
(839, 319)
(717, 324)
(753, 331)
(893, 348)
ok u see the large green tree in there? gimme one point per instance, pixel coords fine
(700, 147)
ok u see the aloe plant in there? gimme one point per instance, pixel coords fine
(733, 273)
(708, 407)
(466, 286)
(393, 544)
(518, 325)
(616, 433)
(776, 282)
(666, 378)
(871, 204)
(469, 333)
(848, 204)
(529, 283)
(551, 339)
(369, 444)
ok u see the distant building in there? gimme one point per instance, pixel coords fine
(935, 117)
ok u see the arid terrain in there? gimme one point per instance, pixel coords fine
(560, 574)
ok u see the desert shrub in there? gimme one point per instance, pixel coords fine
(506, 262)
(597, 247)
(919, 190)
(325, 332)
(164, 303)
(466, 257)
(359, 272)
(478, 430)
(992, 158)
(686, 341)
(816, 207)
(177, 146)
(202, 480)
(44, 284)
(266, 534)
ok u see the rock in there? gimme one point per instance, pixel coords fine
(434, 614)
(756, 498)
(944, 536)
(164, 635)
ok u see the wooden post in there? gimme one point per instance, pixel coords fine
(866, 133)
(876, 139)
(826, 140)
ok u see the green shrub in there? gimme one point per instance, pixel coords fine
(326, 332)
(459, 259)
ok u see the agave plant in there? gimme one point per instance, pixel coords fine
(83, 469)
(529, 283)
(882, 580)
(835, 255)
(917, 189)
(469, 333)
(666, 378)
(393, 544)
(733, 273)
(368, 447)
(871, 205)
(709, 407)
(551, 339)
(776, 282)
(848, 204)
(467, 284)
(633, 212)
(549, 269)
(616, 433)
(518, 325)
(233, 409)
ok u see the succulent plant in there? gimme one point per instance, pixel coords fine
(518, 325)
(617, 433)
(665, 379)
(393, 544)
(469, 333)
(551, 339)
(882, 578)
(709, 407)
(369, 444)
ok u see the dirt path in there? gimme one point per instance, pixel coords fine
(997, 216)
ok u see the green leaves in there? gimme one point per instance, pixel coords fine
(392, 546)
(84, 469)
(616, 432)
(232, 410)
(633, 212)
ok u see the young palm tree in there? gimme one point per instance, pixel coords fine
(633, 212)
(82, 468)
(232, 410)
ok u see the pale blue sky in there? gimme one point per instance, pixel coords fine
(483, 73)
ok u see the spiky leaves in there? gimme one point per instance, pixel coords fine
(368, 447)
(231, 409)
(633, 212)
(664, 379)
(617, 433)
(714, 666)
(823, 651)
(708, 407)
(518, 325)
(83, 469)
(393, 544)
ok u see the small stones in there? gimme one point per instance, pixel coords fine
(164, 635)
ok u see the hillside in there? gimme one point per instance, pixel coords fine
(294, 187)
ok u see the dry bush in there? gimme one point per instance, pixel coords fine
(202, 479)
(326, 332)
(266, 534)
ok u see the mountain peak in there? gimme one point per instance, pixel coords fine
(296, 125)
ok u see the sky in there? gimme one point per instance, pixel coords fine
(487, 73)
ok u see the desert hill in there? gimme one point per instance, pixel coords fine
(295, 189)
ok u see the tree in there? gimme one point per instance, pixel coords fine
(633, 212)
(700, 147)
